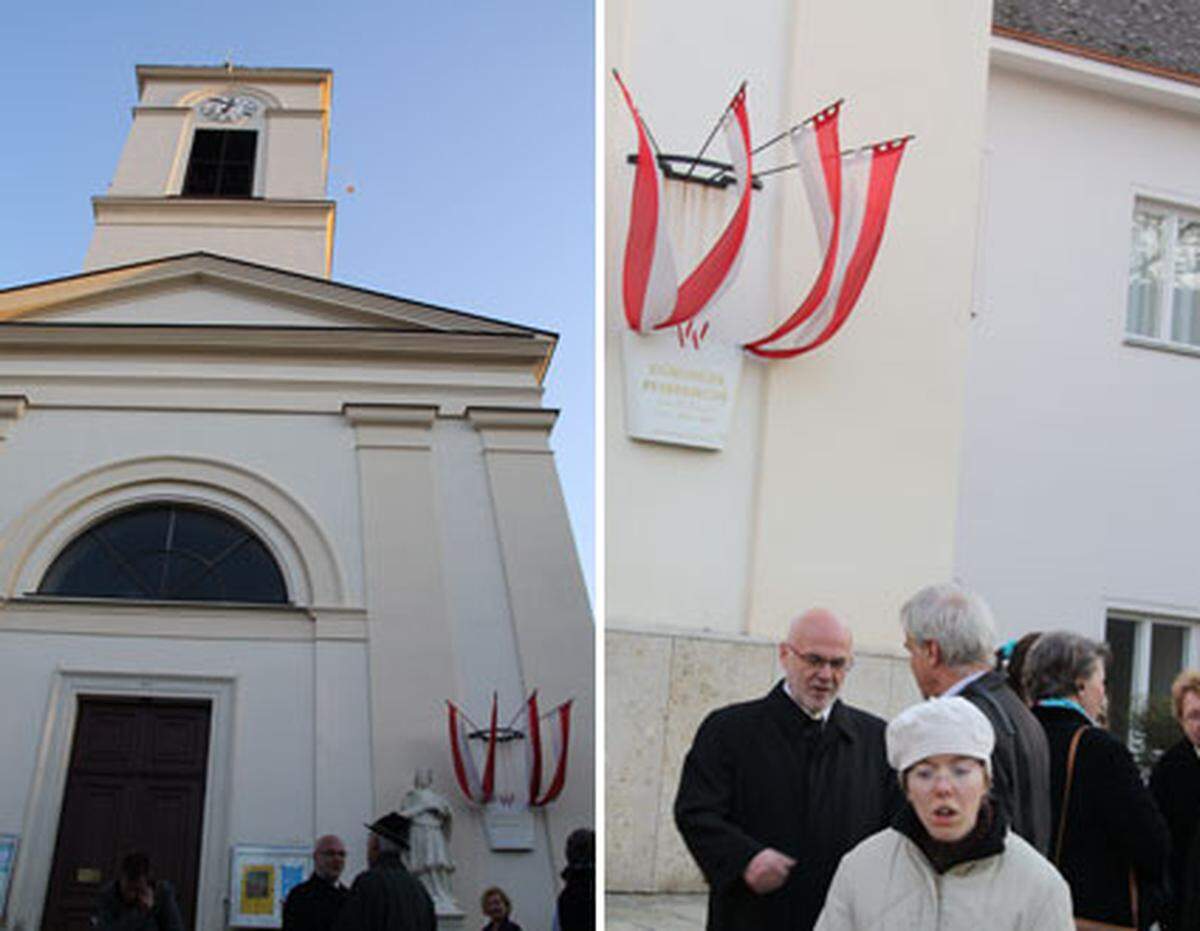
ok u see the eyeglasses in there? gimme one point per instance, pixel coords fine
(836, 664)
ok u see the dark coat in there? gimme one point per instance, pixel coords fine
(1020, 760)
(1112, 822)
(313, 905)
(1175, 784)
(113, 914)
(387, 897)
(762, 774)
(507, 926)
(577, 902)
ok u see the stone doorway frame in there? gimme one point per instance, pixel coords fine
(39, 829)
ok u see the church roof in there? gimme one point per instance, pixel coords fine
(1157, 36)
(300, 312)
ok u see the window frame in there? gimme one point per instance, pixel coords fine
(1172, 207)
(1144, 622)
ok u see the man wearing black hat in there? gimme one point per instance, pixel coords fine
(387, 897)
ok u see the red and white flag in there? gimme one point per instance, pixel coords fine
(652, 296)
(560, 735)
(648, 282)
(717, 269)
(466, 773)
(819, 158)
(868, 178)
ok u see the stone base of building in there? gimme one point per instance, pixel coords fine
(659, 686)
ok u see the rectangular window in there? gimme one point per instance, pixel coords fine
(221, 164)
(1164, 274)
(1147, 654)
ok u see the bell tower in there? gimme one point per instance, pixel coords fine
(224, 159)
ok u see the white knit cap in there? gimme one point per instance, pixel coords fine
(940, 725)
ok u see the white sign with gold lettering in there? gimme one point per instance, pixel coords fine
(680, 390)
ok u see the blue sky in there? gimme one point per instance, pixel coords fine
(465, 128)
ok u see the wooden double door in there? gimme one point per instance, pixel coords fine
(136, 782)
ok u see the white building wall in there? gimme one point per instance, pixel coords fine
(56, 445)
(1079, 449)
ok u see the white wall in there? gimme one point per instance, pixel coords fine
(839, 481)
(1080, 452)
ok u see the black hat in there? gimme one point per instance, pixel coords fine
(394, 826)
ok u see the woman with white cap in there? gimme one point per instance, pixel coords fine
(948, 861)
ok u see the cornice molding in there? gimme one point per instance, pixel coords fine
(12, 409)
(1051, 62)
(513, 429)
(391, 426)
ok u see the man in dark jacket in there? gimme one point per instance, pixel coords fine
(1175, 783)
(387, 897)
(775, 791)
(949, 635)
(134, 901)
(314, 904)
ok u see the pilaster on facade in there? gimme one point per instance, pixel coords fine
(550, 611)
(12, 409)
(410, 650)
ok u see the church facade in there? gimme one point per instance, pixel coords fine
(260, 526)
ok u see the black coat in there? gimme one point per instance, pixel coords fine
(387, 897)
(313, 905)
(1020, 760)
(762, 774)
(1175, 783)
(1112, 822)
(577, 902)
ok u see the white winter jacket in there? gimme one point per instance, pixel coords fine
(886, 884)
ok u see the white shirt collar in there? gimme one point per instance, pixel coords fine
(822, 716)
(962, 683)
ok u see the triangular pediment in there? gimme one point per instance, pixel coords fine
(200, 289)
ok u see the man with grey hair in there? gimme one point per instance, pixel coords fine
(387, 897)
(776, 790)
(950, 636)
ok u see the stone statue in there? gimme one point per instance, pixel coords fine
(428, 854)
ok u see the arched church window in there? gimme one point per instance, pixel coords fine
(167, 552)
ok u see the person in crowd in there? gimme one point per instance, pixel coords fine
(497, 907)
(1109, 840)
(1175, 785)
(1010, 660)
(576, 906)
(314, 904)
(950, 636)
(774, 791)
(387, 897)
(949, 860)
(135, 901)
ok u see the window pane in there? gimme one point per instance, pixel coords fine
(1120, 637)
(1146, 269)
(1166, 657)
(167, 552)
(1185, 300)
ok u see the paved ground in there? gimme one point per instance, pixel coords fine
(631, 912)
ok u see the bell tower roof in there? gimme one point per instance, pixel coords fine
(225, 159)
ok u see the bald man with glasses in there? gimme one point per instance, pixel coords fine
(314, 904)
(774, 791)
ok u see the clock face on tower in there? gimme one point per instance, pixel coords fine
(230, 109)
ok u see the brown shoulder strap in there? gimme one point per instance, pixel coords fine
(1062, 815)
